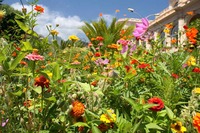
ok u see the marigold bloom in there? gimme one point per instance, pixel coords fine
(156, 100)
(178, 128)
(78, 109)
(54, 32)
(113, 46)
(39, 9)
(42, 81)
(191, 61)
(14, 54)
(191, 34)
(73, 38)
(143, 65)
(23, 63)
(169, 26)
(108, 118)
(173, 41)
(196, 122)
(34, 56)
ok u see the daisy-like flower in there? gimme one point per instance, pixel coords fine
(110, 117)
(196, 121)
(101, 61)
(34, 56)
(42, 81)
(191, 61)
(39, 9)
(196, 90)
(73, 38)
(158, 101)
(54, 32)
(78, 109)
(141, 28)
(178, 127)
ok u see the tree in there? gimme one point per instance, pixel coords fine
(110, 33)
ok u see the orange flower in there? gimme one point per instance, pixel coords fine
(100, 14)
(14, 54)
(78, 109)
(27, 103)
(169, 26)
(113, 46)
(190, 13)
(39, 9)
(42, 81)
(94, 83)
(117, 10)
(86, 67)
(173, 41)
(23, 63)
(191, 34)
(99, 38)
(196, 121)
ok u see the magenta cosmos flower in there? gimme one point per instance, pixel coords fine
(34, 56)
(141, 28)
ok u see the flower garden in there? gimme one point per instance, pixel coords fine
(110, 85)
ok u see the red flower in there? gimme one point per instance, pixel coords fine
(42, 81)
(39, 9)
(156, 100)
(99, 38)
(175, 76)
(134, 61)
(97, 54)
(196, 70)
(143, 65)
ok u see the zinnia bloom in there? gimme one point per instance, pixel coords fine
(101, 61)
(175, 76)
(178, 128)
(156, 100)
(108, 118)
(99, 38)
(78, 109)
(39, 9)
(196, 70)
(73, 38)
(191, 61)
(34, 56)
(196, 121)
(141, 28)
(42, 81)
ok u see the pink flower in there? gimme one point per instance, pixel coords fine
(101, 61)
(141, 28)
(34, 56)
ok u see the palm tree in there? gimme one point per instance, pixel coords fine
(110, 33)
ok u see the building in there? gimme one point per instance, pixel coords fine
(176, 14)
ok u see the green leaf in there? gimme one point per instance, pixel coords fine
(44, 131)
(170, 113)
(56, 71)
(135, 106)
(164, 67)
(84, 86)
(153, 126)
(81, 124)
(52, 99)
(19, 93)
(27, 46)
(95, 129)
(38, 89)
(16, 61)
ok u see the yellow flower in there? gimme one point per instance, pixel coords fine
(178, 128)
(196, 90)
(73, 38)
(191, 61)
(166, 30)
(110, 117)
(54, 32)
(2, 14)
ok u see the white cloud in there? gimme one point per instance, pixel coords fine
(67, 25)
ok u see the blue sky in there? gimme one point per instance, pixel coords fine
(71, 14)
